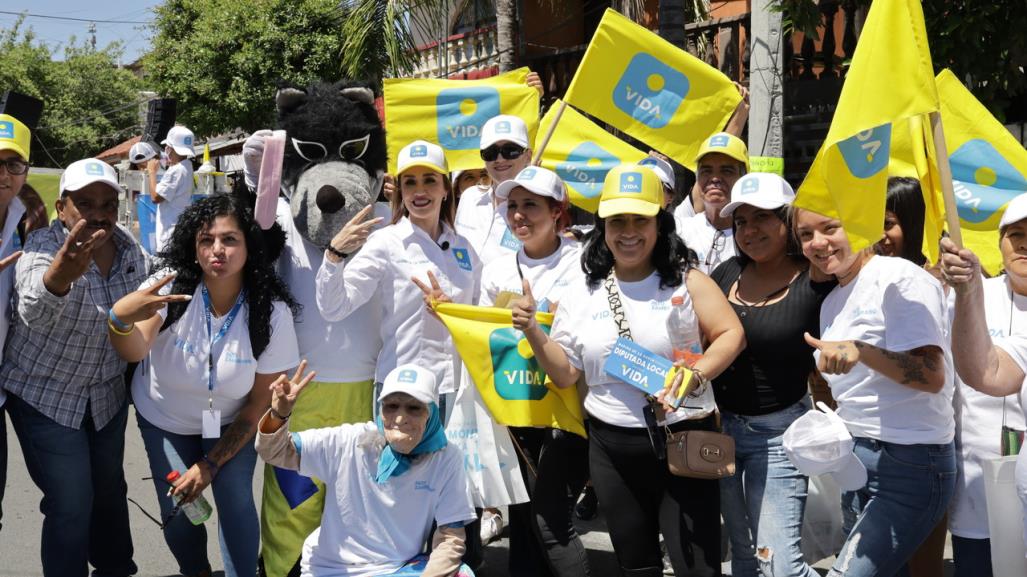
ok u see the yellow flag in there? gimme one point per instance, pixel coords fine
(503, 367)
(913, 155)
(581, 153)
(651, 89)
(989, 167)
(451, 113)
(890, 79)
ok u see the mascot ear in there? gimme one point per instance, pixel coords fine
(359, 94)
(289, 99)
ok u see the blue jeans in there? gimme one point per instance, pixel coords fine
(764, 501)
(85, 507)
(238, 526)
(972, 557)
(3, 461)
(907, 492)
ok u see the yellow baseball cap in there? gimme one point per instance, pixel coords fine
(726, 144)
(15, 136)
(631, 189)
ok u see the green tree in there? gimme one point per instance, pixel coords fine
(89, 103)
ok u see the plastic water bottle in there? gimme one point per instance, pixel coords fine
(683, 330)
(198, 510)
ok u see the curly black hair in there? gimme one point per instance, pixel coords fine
(263, 247)
(671, 257)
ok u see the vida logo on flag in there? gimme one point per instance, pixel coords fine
(586, 168)
(650, 91)
(461, 112)
(984, 181)
(866, 154)
(516, 373)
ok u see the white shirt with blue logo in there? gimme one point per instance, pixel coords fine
(484, 225)
(176, 188)
(384, 266)
(9, 242)
(170, 387)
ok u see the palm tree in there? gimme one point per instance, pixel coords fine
(506, 34)
(378, 37)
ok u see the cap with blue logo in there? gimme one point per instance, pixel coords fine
(726, 144)
(411, 379)
(180, 139)
(82, 173)
(504, 127)
(422, 153)
(631, 189)
(15, 136)
(760, 189)
(541, 181)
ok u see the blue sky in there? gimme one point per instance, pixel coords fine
(55, 33)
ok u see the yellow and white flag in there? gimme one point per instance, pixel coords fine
(581, 152)
(913, 155)
(890, 79)
(505, 370)
(651, 89)
(451, 113)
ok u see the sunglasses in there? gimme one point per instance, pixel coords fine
(18, 167)
(509, 152)
(313, 151)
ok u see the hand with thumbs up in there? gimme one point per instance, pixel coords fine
(836, 357)
(524, 309)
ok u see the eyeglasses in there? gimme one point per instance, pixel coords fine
(713, 256)
(17, 166)
(509, 152)
(313, 151)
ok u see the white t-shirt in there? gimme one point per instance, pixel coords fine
(176, 188)
(484, 225)
(548, 277)
(1016, 346)
(585, 329)
(897, 306)
(711, 246)
(342, 351)
(9, 242)
(170, 388)
(979, 417)
(685, 210)
(384, 266)
(370, 529)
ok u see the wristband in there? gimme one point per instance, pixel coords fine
(119, 332)
(212, 465)
(279, 416)
(117, 322)
(335, 252)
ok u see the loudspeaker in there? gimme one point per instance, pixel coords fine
(26, 109)
(160, 118)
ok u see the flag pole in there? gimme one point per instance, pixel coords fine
(549, 134)
(945, 172)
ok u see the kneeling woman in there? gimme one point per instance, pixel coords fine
(386, 482)
(207, 361)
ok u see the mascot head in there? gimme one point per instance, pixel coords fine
(334, 155)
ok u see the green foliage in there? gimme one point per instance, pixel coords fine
(378, 43)
(89, 103)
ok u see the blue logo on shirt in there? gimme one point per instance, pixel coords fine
(866, 154)
(984, 180)
(586, 168)
(631, 182)
(6, 129)
(461, 112)
(463, 258)
(509, 240)
(650, 91)
(423, 486)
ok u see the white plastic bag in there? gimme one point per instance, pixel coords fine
(822, 535)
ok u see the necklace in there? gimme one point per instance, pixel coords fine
(762, 301)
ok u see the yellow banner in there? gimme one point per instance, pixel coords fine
(504, 368)
(890, 79)
(989, 167)
(913, 155)
(581, 152)
(451, 113)
(651, 89)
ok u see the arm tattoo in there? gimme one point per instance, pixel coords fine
(912, 364)
(240, 432)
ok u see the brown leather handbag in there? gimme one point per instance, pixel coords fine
(701, 454)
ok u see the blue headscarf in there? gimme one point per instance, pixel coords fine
(393, 463)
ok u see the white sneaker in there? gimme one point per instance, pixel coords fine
(491, 527)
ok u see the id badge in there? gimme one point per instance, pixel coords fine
(212, 423)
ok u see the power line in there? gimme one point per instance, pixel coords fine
(50, 17)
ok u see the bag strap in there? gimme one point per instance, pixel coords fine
(617, 307)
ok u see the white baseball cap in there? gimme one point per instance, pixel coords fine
(760, 189)
(1016, 211)
(416, 381)
(422, 153)
(819, 442)
(82, 173)
(141, 152)
(504, 127)
(661, 167)
(180, 139)
(541, 181)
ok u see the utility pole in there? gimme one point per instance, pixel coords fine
(766, 96)
(92, 35)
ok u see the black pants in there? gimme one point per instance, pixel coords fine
(640, 498)
(543, 540)
(3, 461)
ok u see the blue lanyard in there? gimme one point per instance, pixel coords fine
(220, 334)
